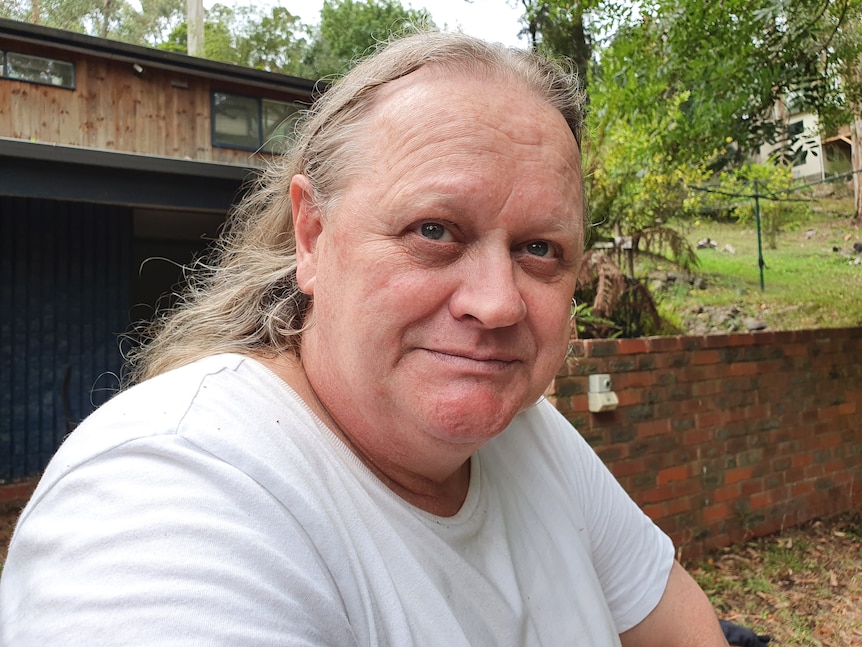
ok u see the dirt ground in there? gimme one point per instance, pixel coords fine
(9, 511)
(802, 587)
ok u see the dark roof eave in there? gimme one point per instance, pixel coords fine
(38, 170)
(41, 151)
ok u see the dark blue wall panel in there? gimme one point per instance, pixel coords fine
(65, 293)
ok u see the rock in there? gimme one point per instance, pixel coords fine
(753, 324)
(730, 249)
(811, 233)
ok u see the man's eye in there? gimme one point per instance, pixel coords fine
(540, 248)
(434, 231)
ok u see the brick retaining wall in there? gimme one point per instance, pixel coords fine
(725, 437)
(720, 438)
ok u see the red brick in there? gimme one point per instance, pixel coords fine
(761, 499)
(748, 487)
(705, 357)
(716, 513)
(629, 467)
(672, 474)
(634, 380)
(745, 368)
(679, 505)
(736, 474)
(726, 493)
(17, 491)
(847, 409)
(653, 428)
(655, 511)
(814, 471)
(686, 488)
(632, 346)
(802, 460)
(694, 437)
(656, 495)
(709, 419)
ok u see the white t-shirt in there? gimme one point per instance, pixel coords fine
(209, 506)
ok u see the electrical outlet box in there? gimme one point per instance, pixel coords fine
(601, 396)
(600, 383)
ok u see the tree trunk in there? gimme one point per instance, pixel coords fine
(856, 165)
(107, 10)
(195, 22)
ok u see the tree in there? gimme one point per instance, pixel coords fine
(270, 39)
(115, 19)
(351, 28)
(557, 29)
(732, 60)
(845, 104)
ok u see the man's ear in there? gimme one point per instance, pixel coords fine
(307, 227)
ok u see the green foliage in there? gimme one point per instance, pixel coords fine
(349, 29)
(610, 303)
(721, 66)
(631, 183)
(591, 326)
(147, 22)
(782, 202)
(252, 35)
(270, 39)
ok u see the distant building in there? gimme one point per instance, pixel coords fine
(118, 164)
(811, 156)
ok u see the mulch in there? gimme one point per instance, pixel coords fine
(802, 586)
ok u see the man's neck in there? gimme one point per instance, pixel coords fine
(439, 489)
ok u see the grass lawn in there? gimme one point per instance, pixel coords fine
(806, 283)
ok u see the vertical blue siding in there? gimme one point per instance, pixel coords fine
(65, 292)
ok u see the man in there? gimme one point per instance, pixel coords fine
(373, 463)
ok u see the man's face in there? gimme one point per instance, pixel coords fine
(442, 279)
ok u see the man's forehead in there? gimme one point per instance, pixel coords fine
(434, 96)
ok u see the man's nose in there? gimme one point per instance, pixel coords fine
(488, 292)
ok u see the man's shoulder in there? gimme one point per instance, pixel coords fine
(160, 403)
(218, 401)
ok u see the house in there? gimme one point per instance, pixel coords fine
(813, 157)
(118, 164)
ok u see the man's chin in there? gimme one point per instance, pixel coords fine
(474, 421)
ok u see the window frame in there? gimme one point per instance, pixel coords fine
(262, 145)
(4, 70)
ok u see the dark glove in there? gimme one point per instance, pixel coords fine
(742, 637)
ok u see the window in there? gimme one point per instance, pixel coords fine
(279, 120)
(795, 132)
(36, 69)
(251, 123)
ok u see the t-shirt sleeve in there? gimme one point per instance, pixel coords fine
(631, 555)
(158, 543)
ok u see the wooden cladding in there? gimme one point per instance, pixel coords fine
(124, 106)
